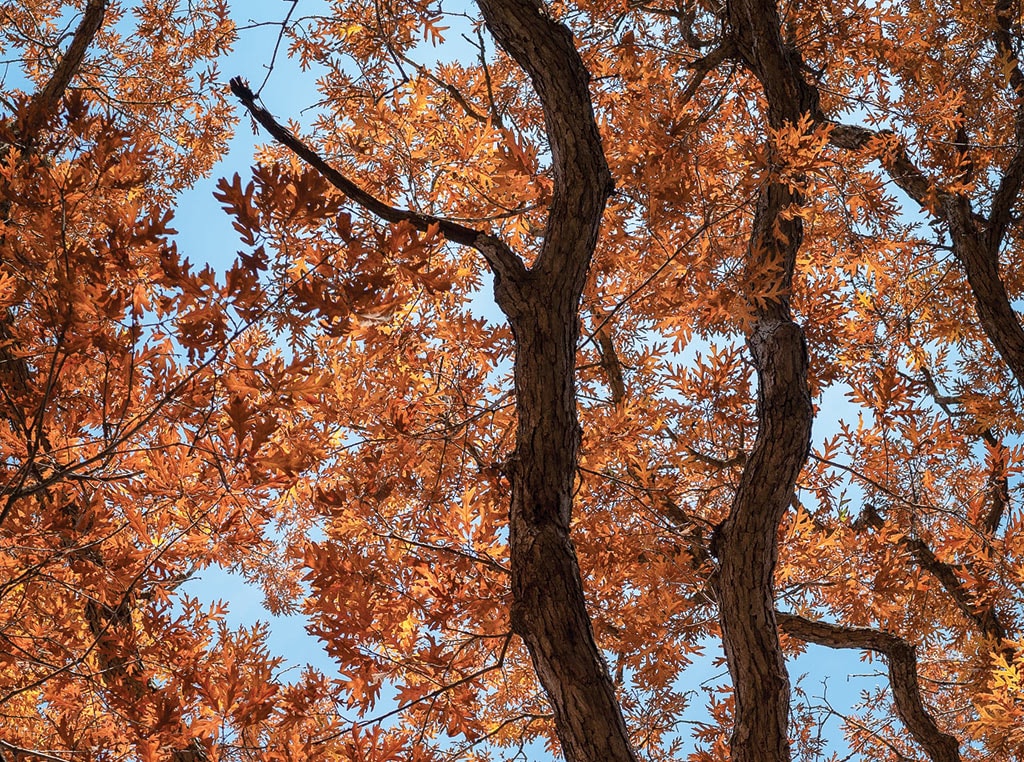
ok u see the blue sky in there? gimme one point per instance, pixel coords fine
(205, 235)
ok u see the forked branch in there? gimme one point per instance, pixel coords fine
(976, 239)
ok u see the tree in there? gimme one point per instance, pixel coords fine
(702, 224)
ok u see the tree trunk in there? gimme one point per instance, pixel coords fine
(542, 304)
(746, 543)
(747, 549)
(549, 611)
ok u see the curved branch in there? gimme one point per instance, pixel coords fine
(453, 92)
(497, 253)
(704, 66)
(902, 659)
(976, 240)
(892, 152)
(1013, 176)
(582, 181)
(985, 618)
(980, 260)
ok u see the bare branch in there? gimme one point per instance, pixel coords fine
(49, 754)
(277, 44)
(902, 659)
(495, 112)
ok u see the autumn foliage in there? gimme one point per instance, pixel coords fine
(752, 377)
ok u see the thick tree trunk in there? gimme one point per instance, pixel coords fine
(746, 542)
(549, 610)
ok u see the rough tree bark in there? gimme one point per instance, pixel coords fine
(746, 545)
(746, 541)
(47, 100)
(548, 610)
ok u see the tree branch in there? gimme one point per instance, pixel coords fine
(507, 639)
(892, 152)
(902, 659)
(998, 492)
(984, 618)
(45, 102)
(582, 181)
(454, 92)
(704, 66)
(976, 240)
(610, 364)
(499, 256)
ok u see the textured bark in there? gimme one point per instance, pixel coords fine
(549, 609)
(902, 659)
(979, 255)
(747, 550)
(984, 617)
(746, 540)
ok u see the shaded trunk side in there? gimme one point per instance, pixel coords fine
(746, 542)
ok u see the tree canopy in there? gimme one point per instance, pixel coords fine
(752, 375)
